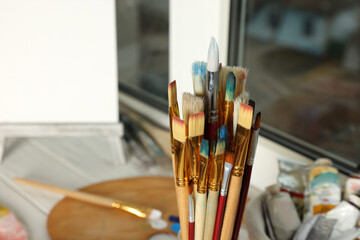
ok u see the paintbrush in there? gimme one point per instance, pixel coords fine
(247, 174)
(229, 160)
(137, 210)
(240, 75)
(241, 147)
(199, 77)
(229, 107)
(243, 98)
(214, 187)
(200, 207)
(173, 112)
(196, 132)
(191, 217)
(212, 91)
(181, 174)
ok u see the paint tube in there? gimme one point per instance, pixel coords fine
(323, 192)
(352, 185)
(346, 213)
(293, 180)
(282, 212)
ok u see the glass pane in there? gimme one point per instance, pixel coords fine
(304, 64)
(143, 47)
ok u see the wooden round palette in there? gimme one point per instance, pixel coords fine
(76, 220)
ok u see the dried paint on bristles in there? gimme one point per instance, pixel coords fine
(243, 98)
(224, 134)
(240, 74)
(245, 116)
(172, 96)
(199, 77)
(191, 105)
(230, 87)
(204, 148)
(196, 124)
(229, 156)
(178, 129)
(220, 146)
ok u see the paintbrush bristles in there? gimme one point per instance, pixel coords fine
(229, 156)
(220, 146)
(204, 148)
(172, 93)
(230, 87)
(178, 129)
(191, 105)
(245, 116)
(213, 56)
(243, 98)
(196, 124)
(199, 77)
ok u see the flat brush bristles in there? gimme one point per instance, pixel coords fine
(178, 129)
(224, 134)
(245, 116)
(243, 98)
(191, 105)
(204, 149)
(223, 74)
(196, 124)
(220, 146)
(172, 93)
(230, 87)
(199, 77)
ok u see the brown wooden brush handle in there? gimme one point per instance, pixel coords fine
(231, 207)
(182, 197)
(211, 208)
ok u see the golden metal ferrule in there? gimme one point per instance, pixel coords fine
(228, 121)
(173, 112)
(241, 150)
(203, 170)
(216, 172)
(194, 154)
(181, 164)
(139, 211)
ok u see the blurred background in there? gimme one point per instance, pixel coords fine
(303, 58)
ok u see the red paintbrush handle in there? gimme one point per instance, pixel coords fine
(242, 201)
(219, 217)
(191, 230)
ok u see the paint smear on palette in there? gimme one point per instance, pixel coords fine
(10, 227)
(158, 224)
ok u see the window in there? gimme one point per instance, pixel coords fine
(143, 49)
(303, 58)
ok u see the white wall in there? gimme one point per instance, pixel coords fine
(58, 61)
(192, 23)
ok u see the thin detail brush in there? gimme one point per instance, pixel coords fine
(229, 160)
(173, 109)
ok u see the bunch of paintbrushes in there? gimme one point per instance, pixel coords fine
(213, 149)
